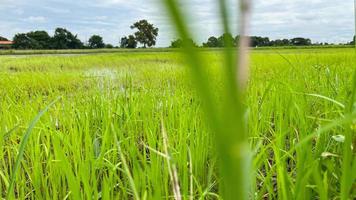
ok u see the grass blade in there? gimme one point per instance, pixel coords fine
(23, 143)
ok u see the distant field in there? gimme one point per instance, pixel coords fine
(114, 50)
(106, 127)
(78, 51)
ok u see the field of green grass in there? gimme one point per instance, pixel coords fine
(157, 50)
(124, 125)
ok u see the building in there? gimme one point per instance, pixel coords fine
(6, 44)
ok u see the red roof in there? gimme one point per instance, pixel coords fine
(6, 42)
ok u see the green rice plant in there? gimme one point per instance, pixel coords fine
(23, 143)
(298, 106)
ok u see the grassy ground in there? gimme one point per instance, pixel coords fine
(119, 50)
(79, 51)
(105, 136)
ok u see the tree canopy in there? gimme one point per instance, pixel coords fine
(128, 42)
(146, 33)
(255, 41)
(22, 41)
(96, 42)
(109, 46)
(226, 40)
(32, 40)
(3, 39)
(299, 41)
(178, 43)
(41, 39)
(64, 39)
(212, 42)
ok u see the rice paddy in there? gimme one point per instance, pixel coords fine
(130, 125)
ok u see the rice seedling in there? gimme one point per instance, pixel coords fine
(299, 107)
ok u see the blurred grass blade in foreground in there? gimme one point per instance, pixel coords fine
(226, 115)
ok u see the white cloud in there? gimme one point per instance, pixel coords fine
(36, 19)
(112, 2)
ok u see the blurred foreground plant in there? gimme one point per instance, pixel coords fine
(225, 116)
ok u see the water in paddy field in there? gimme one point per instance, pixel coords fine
(107, 78)
(108, 73)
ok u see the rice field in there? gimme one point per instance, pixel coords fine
(130, 125)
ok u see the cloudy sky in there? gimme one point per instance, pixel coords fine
(320, 20)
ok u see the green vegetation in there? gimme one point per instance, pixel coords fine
(128, 42)
(3, 39)
(128, 125)
(146, 33)
(96, 42)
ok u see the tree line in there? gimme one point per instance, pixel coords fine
(226, 40)
(145, 34)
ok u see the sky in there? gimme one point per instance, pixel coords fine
(320, 20)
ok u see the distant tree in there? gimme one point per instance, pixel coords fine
(226, 40)
(32, 40)
(286, 42)
(299, 41)
(96, 42)
(179, 43)
(212, 42)
(22, 41)
(146, 33)
(41, 39)
(128, 42)
(109, 46)
(3, 39)
(63, 39)
(257, 41)
(280, 42)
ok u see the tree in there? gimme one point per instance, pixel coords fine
(212, 42)
(128, 42)
(109, 46)
(41, 39)
(146, 33)
(280, 42)
(96, 42)
(299, 41)
(226, 40)
(257, 41)
(179, 43)
(3, 39)
(22, 41)
(32, 40)
(63, 39)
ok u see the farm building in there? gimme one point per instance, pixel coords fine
(5, 44)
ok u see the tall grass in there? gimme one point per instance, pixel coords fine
(130, 126)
